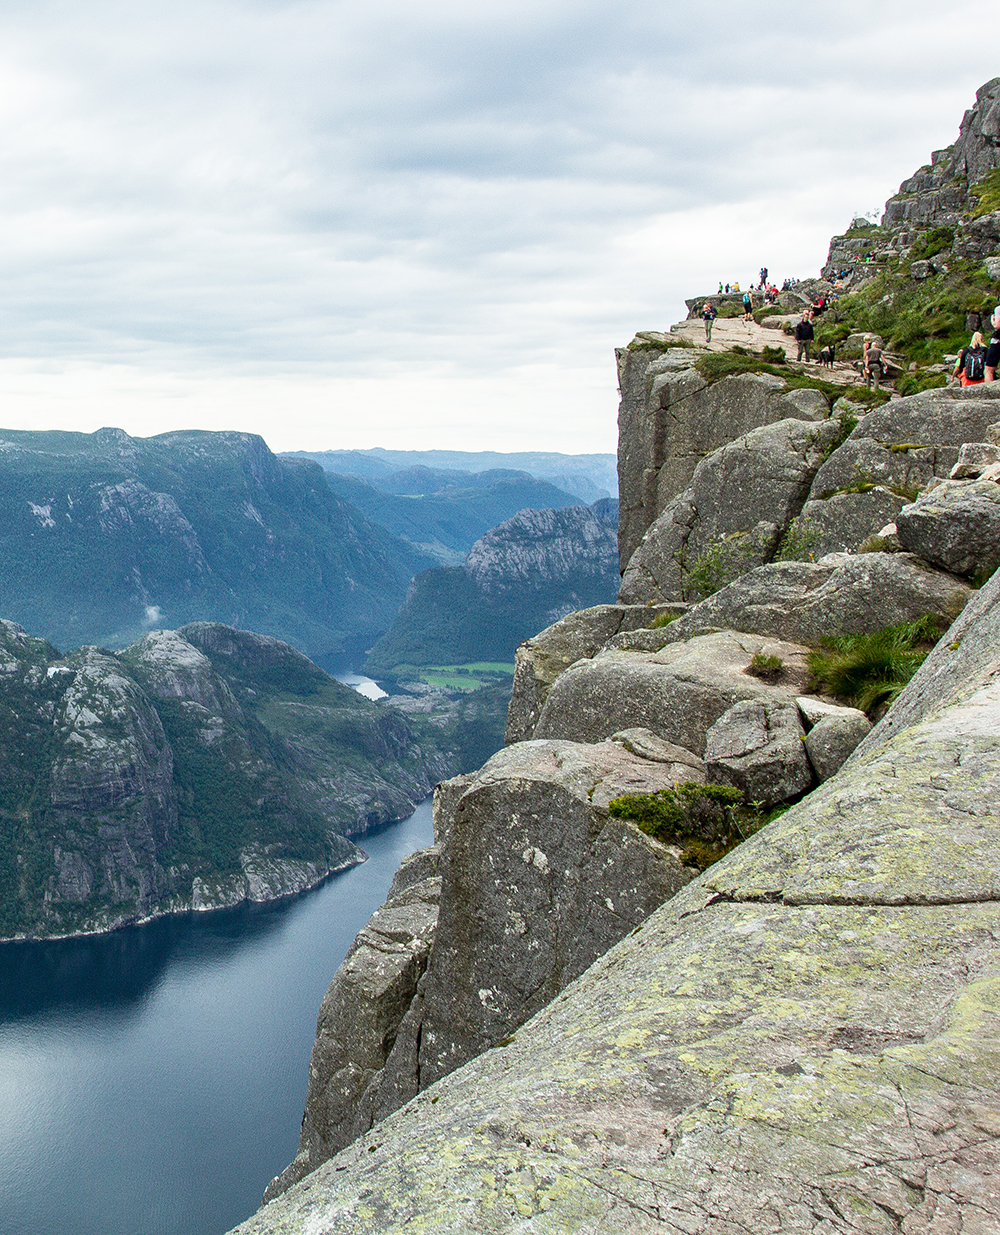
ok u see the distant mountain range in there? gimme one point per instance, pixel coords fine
(442, 513)
(105, 535)
(586, 477)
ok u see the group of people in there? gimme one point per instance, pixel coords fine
(978, 362)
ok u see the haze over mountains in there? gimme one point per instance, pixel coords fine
(587, 477)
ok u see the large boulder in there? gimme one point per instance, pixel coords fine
(539, 881)
(833, 738)
(956, 526)
(907, 442)
(803, 1040)
(678, 692)
(841, 523)
(740, 500)
(842, 594)
(757, 746)
(539, 660)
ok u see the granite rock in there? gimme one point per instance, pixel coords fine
(757, 746)
(802, 1040)
(741, 499)
(842, 594)
(539, 661)
(955, 526)
(678, 692)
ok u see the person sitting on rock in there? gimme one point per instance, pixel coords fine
(804, 335)
(971, 363)
(708, 316)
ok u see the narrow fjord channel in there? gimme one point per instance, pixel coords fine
(152, 1080)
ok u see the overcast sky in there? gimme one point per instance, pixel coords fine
(350, 223)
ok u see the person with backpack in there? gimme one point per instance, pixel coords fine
(748, 305)
(971, 363)
(804, 335)
(708, 316)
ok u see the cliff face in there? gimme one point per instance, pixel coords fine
(803, 1039)
(196, 769)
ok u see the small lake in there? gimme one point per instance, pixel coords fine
(152, 1080)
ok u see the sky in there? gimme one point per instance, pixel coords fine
(346, 224)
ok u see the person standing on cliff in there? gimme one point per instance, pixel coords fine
(804, 335)
(708, 316)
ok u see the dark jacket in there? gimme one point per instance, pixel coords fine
(804, 330)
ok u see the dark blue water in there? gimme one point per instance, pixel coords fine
(152, 1081)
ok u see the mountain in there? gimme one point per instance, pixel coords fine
(197, 768)
(105, 535)
(525, 573)
(586, 477)
(441, 513)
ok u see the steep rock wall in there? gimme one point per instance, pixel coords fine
(804, 1039)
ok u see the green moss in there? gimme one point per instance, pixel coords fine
(933, 242)
(797, 544)
(716, 365)
(706, 821)
(643, 343)
(663, 619)
(767, 668)
(722, 562)
(920, 320)
(913, 383)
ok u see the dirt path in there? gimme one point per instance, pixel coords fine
(730, 330)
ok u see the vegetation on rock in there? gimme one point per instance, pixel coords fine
(706, 821)
(869, 671)
(197, 768)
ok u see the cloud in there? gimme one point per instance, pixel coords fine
(288, 212)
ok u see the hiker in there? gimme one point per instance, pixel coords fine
(708, 316)
(872, 362)
(748, 305)
(720, 287)
(727, 289)
(804, 335)
(993, 351)
(971, 363)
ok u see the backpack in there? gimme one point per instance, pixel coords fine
(975, 358)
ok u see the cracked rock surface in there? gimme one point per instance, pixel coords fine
(804, 1039)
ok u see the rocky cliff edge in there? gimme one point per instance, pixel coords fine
(802, 1039)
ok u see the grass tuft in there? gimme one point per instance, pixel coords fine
(869, 671)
